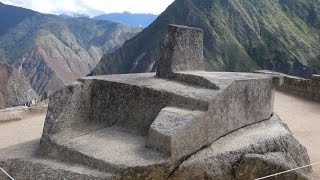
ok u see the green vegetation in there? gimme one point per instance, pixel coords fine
(239, 35)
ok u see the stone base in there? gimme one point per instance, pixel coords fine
(162, 111)
(226, 158)
(138, 126)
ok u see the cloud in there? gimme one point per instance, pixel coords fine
(92, 7)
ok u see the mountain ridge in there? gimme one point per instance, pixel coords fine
(52, 51)
(238, 36)
(138, 19)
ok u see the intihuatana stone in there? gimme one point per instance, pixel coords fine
(182, 50)
(187, 124)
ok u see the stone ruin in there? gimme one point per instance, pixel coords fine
(178, 123)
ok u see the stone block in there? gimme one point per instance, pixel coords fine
(222, 159)
(182, 50)
(168, 132)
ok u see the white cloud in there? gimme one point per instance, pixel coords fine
(92, 7)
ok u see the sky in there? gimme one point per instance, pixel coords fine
(92, 7)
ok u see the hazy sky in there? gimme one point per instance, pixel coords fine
(92, 7)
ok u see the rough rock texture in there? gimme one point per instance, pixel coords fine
(133, 102)
(257, 165)
(182, 50)
(229, 156)
(139, 126)
(15, 89)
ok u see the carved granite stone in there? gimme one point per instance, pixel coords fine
(182, 50)
(183, 123)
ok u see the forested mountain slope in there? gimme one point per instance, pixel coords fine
(239, 35)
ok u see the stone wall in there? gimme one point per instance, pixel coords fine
(308, 88)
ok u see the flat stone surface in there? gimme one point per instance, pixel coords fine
(119, 150)
(148, 80)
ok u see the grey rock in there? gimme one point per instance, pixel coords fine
(185, 125)
(261, 165)
(21, 162)
(133, 102)
(227, 158)
(182, 50)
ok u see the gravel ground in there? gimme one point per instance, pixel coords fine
(27, 129)
(303, 118)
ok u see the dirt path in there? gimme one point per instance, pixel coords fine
(16, 132)
(303, 118)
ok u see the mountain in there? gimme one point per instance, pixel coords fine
(239, 35)
(66, 16)
(52, 51)
(14, 87)
(141, 20)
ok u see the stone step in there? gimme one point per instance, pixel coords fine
(19, 163)
(110, 150)
(180, 88)
(168, 132)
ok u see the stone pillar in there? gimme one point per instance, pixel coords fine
(182, 50)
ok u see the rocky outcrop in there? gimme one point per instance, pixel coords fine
(15, 89)
(141, 126)
(257, 165)
(255, 151)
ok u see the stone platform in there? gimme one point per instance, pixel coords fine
(178, 123)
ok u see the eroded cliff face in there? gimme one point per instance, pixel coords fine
(14, 87)
(59, 59)
(52, 51)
